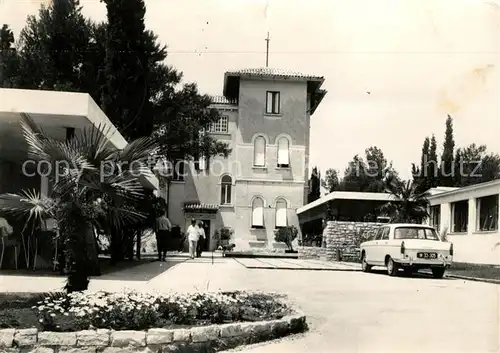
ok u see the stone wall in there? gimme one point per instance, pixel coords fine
(346, 238)
(311, 252)
(197, 339)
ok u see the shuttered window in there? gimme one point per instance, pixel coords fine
(226, 184)
(273, 102)
(258, 213)
(283, 153)
(259, 158)
(281, 214)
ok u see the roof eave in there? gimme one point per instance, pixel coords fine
(318, 99)
(231, 86)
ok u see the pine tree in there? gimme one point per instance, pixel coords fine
(420, 174)
(459, 168)
(446, 169)
(314, 186)
(126, 96)
(433, 164)
(8, 58)
(54, 49)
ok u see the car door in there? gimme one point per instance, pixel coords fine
(371, 247)
(383, 246)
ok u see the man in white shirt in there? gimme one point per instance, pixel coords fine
(193, 234)
(201, 239)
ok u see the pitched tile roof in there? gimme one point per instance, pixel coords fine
(266, 71)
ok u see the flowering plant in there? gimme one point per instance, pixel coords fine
(132, 310)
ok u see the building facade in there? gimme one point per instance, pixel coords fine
(60, 115)
(470, 214)
(266, 122)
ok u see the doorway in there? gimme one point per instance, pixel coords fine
(206, 227)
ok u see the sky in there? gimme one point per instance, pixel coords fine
(393, 69)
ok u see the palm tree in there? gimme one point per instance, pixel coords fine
(409, 205)
(94, 186)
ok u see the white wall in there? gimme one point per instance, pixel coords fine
(474, 246)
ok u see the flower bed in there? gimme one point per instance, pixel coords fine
(131, 320)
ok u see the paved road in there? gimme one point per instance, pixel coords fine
(347, 311)
(359, 312)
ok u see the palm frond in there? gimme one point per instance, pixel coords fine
(93, 143)
(142, 149)
(121, 216)
(29, 203)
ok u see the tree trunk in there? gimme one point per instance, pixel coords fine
(138, 245)
(115, 246)
(93, 255)
(84, 256)
(130, 244)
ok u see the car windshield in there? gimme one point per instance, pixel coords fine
(415, 233)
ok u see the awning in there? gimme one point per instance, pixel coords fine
(198, 207)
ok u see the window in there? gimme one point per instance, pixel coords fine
(281, 213)
(459, 216)
(378, 235)
(487, 213)
(385, 233)
(435, 216)
(222, 125)
(178, 172)
(259, 157)
(283, 153)
(258, 213)
(225, 191)
(273, 102)
(415, 233)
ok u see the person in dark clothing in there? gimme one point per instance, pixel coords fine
(201, 240)
(163, 227)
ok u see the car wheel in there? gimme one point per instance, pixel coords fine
(364, 265)
(438, 272)
(392, 267)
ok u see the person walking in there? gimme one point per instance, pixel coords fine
(201, 240)
(193, 234)
(163, 228)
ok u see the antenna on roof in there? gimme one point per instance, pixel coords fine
(267, 49)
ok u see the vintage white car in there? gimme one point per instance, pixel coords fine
(410, 247)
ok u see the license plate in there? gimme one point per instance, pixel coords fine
(427, 255)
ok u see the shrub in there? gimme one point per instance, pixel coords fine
(312, 238)
(130, 310)
(223, 235)
(286, 235)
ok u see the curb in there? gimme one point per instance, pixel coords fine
(474, 279)
(302, 269)
(212, 338)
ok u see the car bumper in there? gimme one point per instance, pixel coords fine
(410, 260)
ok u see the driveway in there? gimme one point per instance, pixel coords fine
(360, 312)
(347, 311)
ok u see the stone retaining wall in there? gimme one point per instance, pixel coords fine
(197, 339)
(346, 238)
(311, 252)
